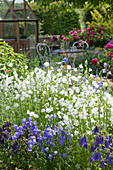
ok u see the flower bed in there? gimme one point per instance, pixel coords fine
(94, 38)
(66, 106)
(55, 118)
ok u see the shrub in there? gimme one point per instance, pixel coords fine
(57, 18)
(9, 60)
(101, 18)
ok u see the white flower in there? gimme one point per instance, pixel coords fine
(7, 107)
(42, 110)
(77, 166)
(22, 98)
(90, 69)
(81, 66)
(10, 65)
(16, 105)
(26, 67)
(68, 67)
(3, 68)
(32, 114)
(46, 64)
(76, 132)
(75, 70)
(88, 168)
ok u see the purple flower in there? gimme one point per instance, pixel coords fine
(85, 146)
(109, 160)
(29, 119)
(64, 155)
(96, 129)
(92, 148)
(46, 149)
(65, 59)
(23, 120)
(103, 164)
(82, 141)
(50, 156)
(61, 140)
(34, 122)
(107, 144)
(15, 127)
(96, 156)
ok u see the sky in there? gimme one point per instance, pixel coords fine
(19, 1)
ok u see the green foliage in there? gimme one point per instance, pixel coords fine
(102, 19)
(57, 18)
(9, 60)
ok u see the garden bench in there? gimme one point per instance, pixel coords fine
(45, 54)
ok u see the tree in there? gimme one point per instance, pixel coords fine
(77, 3)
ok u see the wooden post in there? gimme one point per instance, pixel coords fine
(36, 32)
(17, 33)
(24, 18)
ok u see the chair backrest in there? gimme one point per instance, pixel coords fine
(80, 45)
(43, 50)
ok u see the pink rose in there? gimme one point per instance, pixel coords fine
(94, 61)
(71, 32)
(101, 33)
(88, 33)
(79, 31)
(75, 33)
(109, 45)
(74, 28)
(88, 40)
(78, 38)
(99, 38)
(111, 54)
(101, 28)
(64, 39)
(96, 53)
(89, 29)
(62, 36)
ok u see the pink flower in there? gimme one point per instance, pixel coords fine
(109, 45)
(101, 33)
(74, 28)
(74, 37)
(79, 31)
(78, 38)
(79, 45)
(94, 61)
(99, 38)
(64, 39)
(111, 54)
(71, 32)
(101, 48)
(89, 29)
(62, 36)
(108, 36)
(67, 39)
(75, 33)
(93, 35)
(96, 53)
(92, 28)
(101, 28)
(88, 40)
(88, 33)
